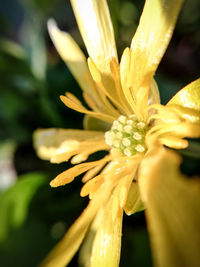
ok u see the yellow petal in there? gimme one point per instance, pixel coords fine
(150, 41)
(69, 175)
(189, 96)
(181, 129)
(107, 243)
(92, 185)
(174, 142)
(76, 62)
(50, 142)
(188, 114)
(172, 207)
(154, 94)
(67, 247)
(133, 203)
(86, 248)
(80, 108)
(71, 54)
(95, 25)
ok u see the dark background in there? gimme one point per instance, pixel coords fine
(33, 216)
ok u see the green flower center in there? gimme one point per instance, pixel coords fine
(128, 135)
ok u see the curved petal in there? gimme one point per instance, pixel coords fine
(189, 96)
(67, 247)
(107, 243)
(149, 43)
(95, 25)
(64, 143)
(172, 207)
(71, 54)
(69, 175)
(173, 142)
(86, 248)
(133, 203)
(154, 94)
(76, 62)
(180, 129)
(69, 102)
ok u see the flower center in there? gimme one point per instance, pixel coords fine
(128, 135)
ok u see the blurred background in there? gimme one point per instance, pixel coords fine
(33, 216)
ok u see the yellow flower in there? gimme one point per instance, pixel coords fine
(125, 118)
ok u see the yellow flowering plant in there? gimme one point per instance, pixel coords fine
(125, 118)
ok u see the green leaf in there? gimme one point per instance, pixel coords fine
(12, 48)
(15, 201)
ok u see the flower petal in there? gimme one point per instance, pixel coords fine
(172, 207)
(95, 25)
(71, 54)
(189, 96)
(67, 247)
(80, 108)
(107, 243)
(173, 142)
(133, 203)
(149, 43)
(69, 175)
(54, 142)
(76, 62)
(181, 129)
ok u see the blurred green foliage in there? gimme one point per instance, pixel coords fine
(15, 201)
(33, 217)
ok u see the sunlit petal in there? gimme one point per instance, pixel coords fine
(107, 243)
(172, 207)
(69, 175)
(134, 202)
(80, 108)
(149, 44)
(173, 142)
(189, 96)
(95, 25)
(71, 54)
(67, 247)
(51, 142)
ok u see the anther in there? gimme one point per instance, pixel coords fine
(116, 143)
(127, 152)
(126, 142)
(122, 119)
(128, 128)
(140, 125)
(140, 148)
(137, 136)
(127, 134)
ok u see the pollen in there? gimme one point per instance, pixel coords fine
(128, 135)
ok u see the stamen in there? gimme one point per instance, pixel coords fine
(141, 125)
(126, 142)
(140, 148)
(128, 129)
(122, 119)
(137, 136)
(128, 135)
(127, 152)
(116, 143)
(129, 122)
